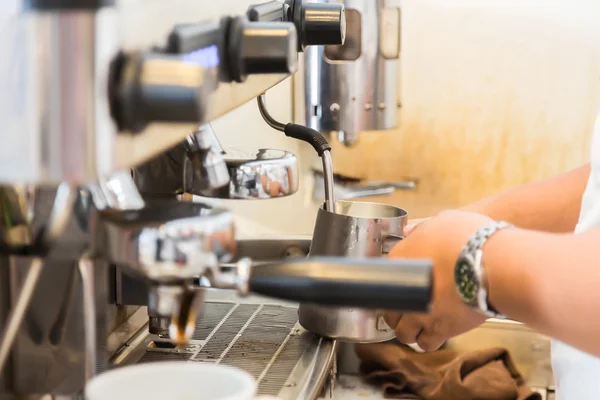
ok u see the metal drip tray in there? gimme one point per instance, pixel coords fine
(263, 338)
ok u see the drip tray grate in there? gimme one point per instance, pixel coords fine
(263, 339)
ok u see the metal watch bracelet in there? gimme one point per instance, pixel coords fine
(473, 253)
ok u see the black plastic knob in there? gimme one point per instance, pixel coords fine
(271, 11)
(318, 24)
(261, 48)
(157, 87)
(321, 24)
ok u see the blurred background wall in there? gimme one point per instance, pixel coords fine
(494, 93)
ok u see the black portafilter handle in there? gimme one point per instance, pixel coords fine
(403, 285)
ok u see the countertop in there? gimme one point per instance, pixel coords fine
(351, 387)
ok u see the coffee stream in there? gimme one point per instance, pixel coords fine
(183, 322)
(328, 181)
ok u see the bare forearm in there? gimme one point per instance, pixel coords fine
(551, 205)
(548, 281)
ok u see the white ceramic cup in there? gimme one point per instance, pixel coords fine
(173, 381)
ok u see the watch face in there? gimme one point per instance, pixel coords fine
(466, 280)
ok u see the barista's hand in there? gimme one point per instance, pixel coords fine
(412, 224)
(440, 239)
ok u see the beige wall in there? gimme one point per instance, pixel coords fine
(494, 93)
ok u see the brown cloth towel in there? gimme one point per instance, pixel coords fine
(442, 375)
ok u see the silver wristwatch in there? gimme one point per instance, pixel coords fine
(469, 273)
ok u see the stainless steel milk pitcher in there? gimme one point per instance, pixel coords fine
(359, 230)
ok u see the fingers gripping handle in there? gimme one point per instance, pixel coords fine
(404, 285)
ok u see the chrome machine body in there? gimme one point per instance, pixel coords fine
(103, 257)
(354, 88)
(57, 129)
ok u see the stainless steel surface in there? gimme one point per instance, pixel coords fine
(19, 211)
(194, 166)
(34, 217)
(353, 88)
(117, 192)
(328, 184)
(349, 188)
(17, 314)
(123, 322)
(49, 352)
(259, 251)
(273, 247)
(29, 234)
(320, 360)
(356, 230)
(204, 169)
(166, 240)
(86, 271)
(54, 102)
(347, 325)
(159, 326)
(169, 243)
(258, 335)
(236, 277)
(173, 310)
(162, 300)
(59, 216)
(260, 174)
(269, 11)
(229, 174)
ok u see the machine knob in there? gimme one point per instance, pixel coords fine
(321, 24)
(157, 87)
(261, 48)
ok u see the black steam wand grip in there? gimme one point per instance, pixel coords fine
(403, 285)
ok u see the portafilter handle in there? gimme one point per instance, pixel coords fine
(402, 285)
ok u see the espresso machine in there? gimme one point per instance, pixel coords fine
(107, 256)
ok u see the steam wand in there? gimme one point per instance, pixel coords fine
(310, 136)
